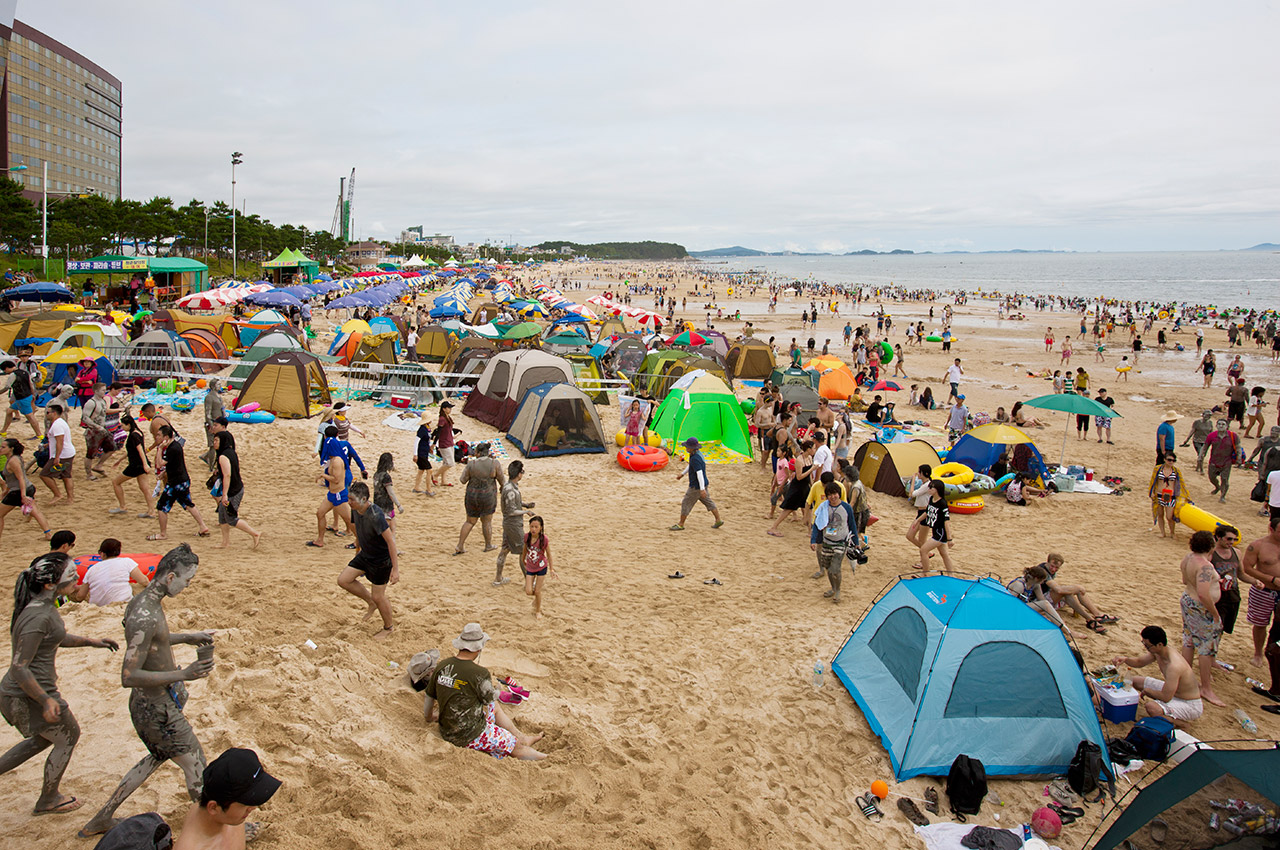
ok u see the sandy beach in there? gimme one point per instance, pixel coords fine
(677, 714)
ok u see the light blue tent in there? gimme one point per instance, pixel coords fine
(942, 666)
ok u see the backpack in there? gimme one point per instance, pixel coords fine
(1152, 737)
(1084, 770)
(140, 832)
(966, 786)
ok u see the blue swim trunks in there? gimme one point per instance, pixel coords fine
(22, 405)
(336, 499)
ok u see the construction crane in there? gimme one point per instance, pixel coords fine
(342, 219)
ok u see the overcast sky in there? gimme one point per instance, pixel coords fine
(803, 126)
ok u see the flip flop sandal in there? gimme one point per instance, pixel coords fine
(1108, 620)
(931, 800)
(1067, 814)
(714, 581)
(908, 808)
(1270, 709)
(510, 698)
(515, 687)
(676, 574)
(1159, 830)
(868, 808)
(1094, 626)
(1263, 692)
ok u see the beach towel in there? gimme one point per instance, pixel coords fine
(714, 453)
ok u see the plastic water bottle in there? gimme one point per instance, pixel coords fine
(1246, 722)
(817, 676)
(1256, 683)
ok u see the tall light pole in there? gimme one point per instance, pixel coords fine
(206, 236)
(235, 160)
(44, 219)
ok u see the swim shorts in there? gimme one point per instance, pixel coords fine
(176, 493)
(377, 572)
(1199, 631)
(692, 496)
(22, 405)
(1262, 604)
(1177, 709)
(337, 499)
(27, 716)
(494, 740)
(161, 725)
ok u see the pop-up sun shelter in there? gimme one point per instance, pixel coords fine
(563, 406)
(942, 665)
(885, 466)
(700, 405)
(982, 446)
(750, 358)
(284, 384)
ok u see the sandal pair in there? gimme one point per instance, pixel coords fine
(1067, 814)
(867, 805)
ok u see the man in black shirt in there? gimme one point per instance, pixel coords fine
(177, 485)
(21, 391)
(377, 559)
(225, 483)
(874, 410)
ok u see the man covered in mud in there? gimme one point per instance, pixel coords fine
(159, 692)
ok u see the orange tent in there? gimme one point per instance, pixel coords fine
(836, 384)
(207, 345)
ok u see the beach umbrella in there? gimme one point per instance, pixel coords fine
(889, 386)
(273, 298)
(1081, 405)
(73, 355)
(687, 338)
(39, 291)
(533, 310)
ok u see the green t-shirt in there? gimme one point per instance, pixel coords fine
(464, 690)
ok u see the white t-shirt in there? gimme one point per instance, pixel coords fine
(60, 427)
(108, 580)
(1273, 493)
(823, 459)
(953, 374)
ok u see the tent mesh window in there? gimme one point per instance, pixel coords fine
(538, 375)
(1005, 679)
(500, 379)
(899, 643)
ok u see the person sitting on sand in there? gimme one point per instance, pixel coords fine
(1177, 695)
(1021, 419)
(1073, 595)
(1002, 416)
(234, 785)
(1020, 488)
(1030, 588)
(108, 580)
(467, 710)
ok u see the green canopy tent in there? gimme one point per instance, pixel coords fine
(1080, 405)
(174, 276)
(288, 263)
(700, 405)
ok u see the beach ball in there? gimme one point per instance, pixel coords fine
(1046, 823)
(201, 383)
(880, 788)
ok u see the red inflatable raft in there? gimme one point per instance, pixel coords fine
(642, 458)
(146, 562)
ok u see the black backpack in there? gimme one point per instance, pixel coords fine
(140, 832)
(1084, 770)
(966, 786)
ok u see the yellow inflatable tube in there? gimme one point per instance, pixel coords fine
(953, 473)
(1198, 519)
(654, 439)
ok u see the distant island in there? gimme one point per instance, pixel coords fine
(619, 250)
(739, 251)
(1264, 246)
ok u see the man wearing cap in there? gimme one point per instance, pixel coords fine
(235, 784)
(1165, 438)
(1200, 431)
(1220, 451)
(697, 492)
(467, 708)
(957, 419)
(21, 391)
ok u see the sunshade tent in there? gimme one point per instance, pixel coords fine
(61, 372)
(45, 325)
(505, 379)
(177, 320)
(345, 346)
(751, 359)
(1071, 403)
(588, 377)
(566, 342)
(106, 338)
(158, 351)
(377, 348)
(486, 312)
(625, 356)
(716, 342)
(207, 345)
(409, 379)
(942, 665)
(701, 405)
(461, 350)
(1181, 797)
(823, 362)
(433, 343)
(561, 406)
(803, 395)
(887, 467)
(982, 446)
(836, 384)
(610, 327)
(285, 384)
(677, 369)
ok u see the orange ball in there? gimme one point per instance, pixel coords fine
(880, 788)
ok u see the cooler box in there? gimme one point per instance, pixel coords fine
(1065, 483)
(1119, 705)
(400, 401)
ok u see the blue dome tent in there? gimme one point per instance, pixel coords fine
(942, 665)
(978, 454)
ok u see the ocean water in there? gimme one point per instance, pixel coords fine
(1220, 278)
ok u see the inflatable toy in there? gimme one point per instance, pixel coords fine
(748, 406)
(183, 404)
(886, 353)
(1198, 519)
(953, 473)
(201, 383)
(642, 458)
(1046, 823)
(654, 439)
(146, 562)
(880, 788)
(258, 417)
(1003, 480)
(248, 408)
(980, 485)
(934, 338)
(1164, 314)
(1123, 368)
(967, 506)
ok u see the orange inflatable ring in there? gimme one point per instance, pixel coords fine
(967, 506)
(146, 562)
(642, 458)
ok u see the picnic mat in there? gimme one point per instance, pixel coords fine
(160, 399)
(714, 453)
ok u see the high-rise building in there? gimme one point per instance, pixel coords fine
(56, 107)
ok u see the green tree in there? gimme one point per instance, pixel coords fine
(19, 218)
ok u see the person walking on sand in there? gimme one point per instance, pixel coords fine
(954, 374)
(158, 690)
(1066, 351)
(1167, 492)
(384, 492)
(377, 558)
(337, 499)
(483, 477)
(213, 408)
(1201, 622)
(422, 456)
(535, 560)
(29, 698)
(230, 487)
(99, 442)
(698, 487)
(1220, 449)
(460, 695)
(1165, 436)
(21, 391)
(445, 442)
(138, 469)
(18, 491)
(513, 511)
(177, 485)
(834, 524)
(937, 519)
(1200, 431)
(1261, 565)
(62, 454)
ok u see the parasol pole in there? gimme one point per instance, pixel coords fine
(1067, 430)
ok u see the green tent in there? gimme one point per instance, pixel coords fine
(701, 406)
(287, 262)
(649, 375)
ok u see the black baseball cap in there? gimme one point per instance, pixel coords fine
(238, 777)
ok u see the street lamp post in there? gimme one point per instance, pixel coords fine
(44, 219)
(206, 236)
(235, 160)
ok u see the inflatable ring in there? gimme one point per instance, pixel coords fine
(933, 338)
(953, 473)
(1164, 314)
(886, 353)
(966, 506)
(1123, 368)
(654, 439)
(642, 458)
(146, 562)
(183, 404)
